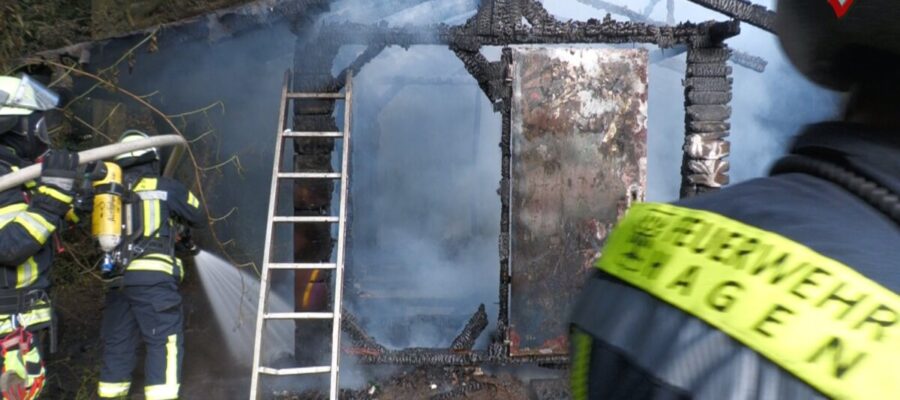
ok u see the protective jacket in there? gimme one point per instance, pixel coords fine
(26, 241)
(782, 287)
(162, 203)
(27, 226)
(148, 306)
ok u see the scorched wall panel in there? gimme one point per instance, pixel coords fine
(578, 128)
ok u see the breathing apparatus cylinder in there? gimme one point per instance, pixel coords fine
(106, 224)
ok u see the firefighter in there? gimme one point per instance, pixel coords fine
(783, 287)
(30, 216)
(144, 302)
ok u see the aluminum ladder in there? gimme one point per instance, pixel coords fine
(262, 315)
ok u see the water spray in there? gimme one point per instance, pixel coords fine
(233, 295)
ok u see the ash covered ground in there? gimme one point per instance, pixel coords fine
(446, 383)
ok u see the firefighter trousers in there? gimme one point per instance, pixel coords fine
(151, 314)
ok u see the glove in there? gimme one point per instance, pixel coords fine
(59, 169)
(184, 244)
(84, 195)
(54, 193)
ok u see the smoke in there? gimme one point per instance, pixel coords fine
(425, 220)
(426, 166)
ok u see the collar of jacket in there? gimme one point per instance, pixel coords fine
(873, 153)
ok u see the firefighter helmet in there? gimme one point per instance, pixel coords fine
(137, 156)
(838, 43)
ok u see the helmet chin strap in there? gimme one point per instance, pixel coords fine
(35, 148)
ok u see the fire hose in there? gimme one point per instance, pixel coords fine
(33, 172)
(107, 215)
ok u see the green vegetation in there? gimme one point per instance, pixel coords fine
(30, 26)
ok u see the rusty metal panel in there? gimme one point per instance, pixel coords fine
(579, 134)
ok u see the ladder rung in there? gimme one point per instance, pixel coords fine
(306, 219)
(294, 371)
(309, 175)
(301, 266)
(300, 315)
(289, 133)
(315, 95)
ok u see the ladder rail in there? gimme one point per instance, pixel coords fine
(264, 275)
(342, 235)
(272, 219)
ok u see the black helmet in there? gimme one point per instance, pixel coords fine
(838, 43)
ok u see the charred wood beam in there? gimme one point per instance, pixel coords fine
(535, 13)
(742, 10)
(359, 338)
(749, 61)
(446, 357)
(488, 75)
(743, 59)
(707, 96)
(591, 31)
(499, 346)
(368, 55)
(422, 356)
(466, 339)
(313, 243)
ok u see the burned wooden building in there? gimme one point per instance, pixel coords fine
(571, 129)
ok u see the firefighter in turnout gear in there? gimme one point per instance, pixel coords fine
(783, 287)
(144, 302)
(30, 216)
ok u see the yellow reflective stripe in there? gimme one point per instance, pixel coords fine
(13, 208)
(10, 212)
(27, 273)
(158, 262)
(33, 317)
(56, 194)
(72, 217)
(151, 208)
(161, 392)
(147, 218)
(150, 265)
(34, 357)
(146, 184)
(581, 364)
(152, 220)
(13, 362)
(172, 362)
(815, 317)
(192, 200)
(113, 389)
(36, 225)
